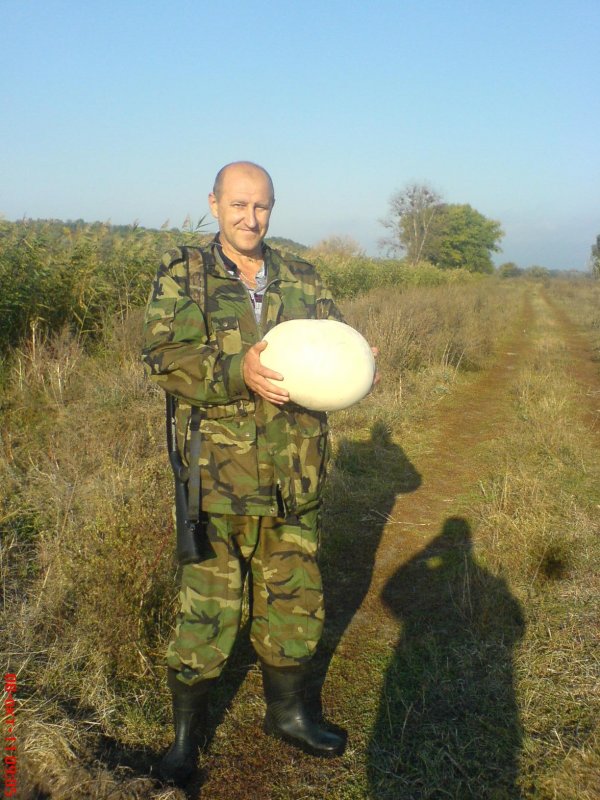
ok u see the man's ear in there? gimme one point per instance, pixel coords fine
(213, 204)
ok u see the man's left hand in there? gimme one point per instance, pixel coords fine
(377, 377)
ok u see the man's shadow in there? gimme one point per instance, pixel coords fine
(365, 479)
(448, 723)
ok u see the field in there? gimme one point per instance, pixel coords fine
(460, 544)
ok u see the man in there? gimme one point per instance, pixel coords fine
(263, 461)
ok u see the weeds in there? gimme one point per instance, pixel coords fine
(539, 524)
(90, 595)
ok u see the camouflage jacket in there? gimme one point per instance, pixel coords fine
(251, 449)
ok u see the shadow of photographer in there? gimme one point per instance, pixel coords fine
(448, 722)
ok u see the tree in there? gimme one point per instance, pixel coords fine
(412, 211)
(339, 245)
(537, 273)
(450, 236)
(595, 260)
(509, 270)
(462, 238)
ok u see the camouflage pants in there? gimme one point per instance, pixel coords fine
(287, 599)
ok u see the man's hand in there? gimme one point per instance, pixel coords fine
(376, 379)
(258, 378)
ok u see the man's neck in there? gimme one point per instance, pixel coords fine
(247, 263)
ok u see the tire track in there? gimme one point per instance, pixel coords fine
(583, 365)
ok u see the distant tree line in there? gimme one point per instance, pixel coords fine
(77, 274)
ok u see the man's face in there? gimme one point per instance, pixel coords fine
(243, 209)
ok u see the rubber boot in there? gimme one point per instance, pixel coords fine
(189, 716)
(288, 717)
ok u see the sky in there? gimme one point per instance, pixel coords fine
(126, 110)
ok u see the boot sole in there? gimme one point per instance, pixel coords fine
(276, 733)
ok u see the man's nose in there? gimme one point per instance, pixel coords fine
(250, 218)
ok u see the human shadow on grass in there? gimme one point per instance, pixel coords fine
(364, 483)
(448, 722)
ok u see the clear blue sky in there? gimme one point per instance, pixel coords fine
(126, 110)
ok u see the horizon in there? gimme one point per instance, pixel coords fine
(135, 224)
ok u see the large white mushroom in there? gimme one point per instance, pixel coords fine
(326, 365)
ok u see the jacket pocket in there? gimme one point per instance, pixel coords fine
(308, 456)
(228, 335)
(228, 463)
(237, 420)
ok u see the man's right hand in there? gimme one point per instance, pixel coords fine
(258, 378)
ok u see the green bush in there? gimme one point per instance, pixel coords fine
(350, 276)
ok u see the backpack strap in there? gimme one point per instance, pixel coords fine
(194, 487)
(196, 284)
(196, 263)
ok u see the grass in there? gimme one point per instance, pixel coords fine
(497, 697)
(539, 526)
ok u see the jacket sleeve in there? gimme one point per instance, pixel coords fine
(177, 353)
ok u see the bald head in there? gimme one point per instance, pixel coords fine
(237, 169)
(242, 201)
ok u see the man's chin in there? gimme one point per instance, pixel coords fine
(247, 245)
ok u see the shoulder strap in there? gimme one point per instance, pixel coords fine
(195, 262)
(194, 487)
(196, 267)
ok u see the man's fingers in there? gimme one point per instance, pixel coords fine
(265, 371)
(276, 400)
(270, 389)
(258, 377)
(270, 374)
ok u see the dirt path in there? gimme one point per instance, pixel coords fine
(474, 415)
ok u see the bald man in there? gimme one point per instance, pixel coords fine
(262, 461)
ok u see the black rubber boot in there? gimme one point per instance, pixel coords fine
(189, 715)
(288, 717)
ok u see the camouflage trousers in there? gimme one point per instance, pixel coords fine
(287, 612)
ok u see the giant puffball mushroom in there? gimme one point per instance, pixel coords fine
(326, 365)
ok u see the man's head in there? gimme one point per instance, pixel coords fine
(242, 200)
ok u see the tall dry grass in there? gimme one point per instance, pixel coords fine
(87, 551)
(539, 526)
(85, 498)
(426, 337)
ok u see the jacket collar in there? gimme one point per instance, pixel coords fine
(276, 267)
